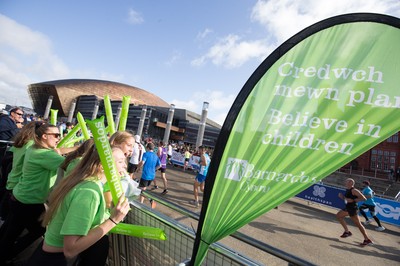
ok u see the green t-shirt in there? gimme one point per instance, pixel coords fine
(17, 163)
(82, 209)
(39, 173)
(72, 164)
(106, 187)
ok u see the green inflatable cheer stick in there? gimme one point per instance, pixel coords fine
(53, 117)
(107, 161)
(139, 231)
(69, 136)
(109, 115)
(82, 123)
(71, 142)
(113, 179)
(124, 113)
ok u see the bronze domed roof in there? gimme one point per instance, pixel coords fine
(65, 91)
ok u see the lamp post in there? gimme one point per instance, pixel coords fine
(169, 123)
(141, 121)
(71, 110)
(202, 125)
(95, 110)
(117, 117)
(48, 106)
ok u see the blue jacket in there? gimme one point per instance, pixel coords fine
(8, 128)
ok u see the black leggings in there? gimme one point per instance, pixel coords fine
(21, 216)
(4, 204)
(43, 258)
(96, 254)
(6, 166)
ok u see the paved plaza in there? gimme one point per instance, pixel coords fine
(307, 230)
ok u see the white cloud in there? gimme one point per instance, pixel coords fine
(134, 17)
(232, 52)
(13, 87)
(176, 55)
(203, 34)
(285, 18)
(282, 19)
(190, 105)
(218, 100)
(219, 104)
(26, 57)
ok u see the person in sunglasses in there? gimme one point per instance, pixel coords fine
(9, 127)
(27, 202)
(11, 124)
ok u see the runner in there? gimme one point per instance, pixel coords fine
(370, 205)
(201, 176)
(351, 197)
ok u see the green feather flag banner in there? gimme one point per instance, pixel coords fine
(320, 100)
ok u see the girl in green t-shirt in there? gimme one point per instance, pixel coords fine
(30, 193)
(22, 141)
(123, 140)
(77, 220)
(72, 159)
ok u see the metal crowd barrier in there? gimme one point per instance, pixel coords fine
(125, 250)
(177, 249)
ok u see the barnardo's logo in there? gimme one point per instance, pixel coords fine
(239, 169)
(319, 191)
(235, 169)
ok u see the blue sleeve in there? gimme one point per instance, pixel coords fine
(144, 157)
(8, 129)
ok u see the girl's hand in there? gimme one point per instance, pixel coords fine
(123, 174)
(119, 212)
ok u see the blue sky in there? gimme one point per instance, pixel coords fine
(185, 52)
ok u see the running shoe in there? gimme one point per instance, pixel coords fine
(380, 228)
(195, 203)
(346, 234)
(366, 242)
(155, 187)
(367, 222)
(165, 191)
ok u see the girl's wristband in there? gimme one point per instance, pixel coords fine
(112, 220)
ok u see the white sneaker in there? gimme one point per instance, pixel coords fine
(195, 203)
(367, 222)
(380, 228)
